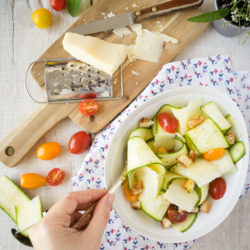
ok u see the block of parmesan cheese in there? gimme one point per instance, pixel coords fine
(98, 53)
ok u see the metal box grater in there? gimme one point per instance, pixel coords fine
(69, 80)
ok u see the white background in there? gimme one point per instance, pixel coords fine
(21, 43)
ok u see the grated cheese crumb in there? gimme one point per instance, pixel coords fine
(110, 14)
(134, 5)
(135, 73)
(124, 31)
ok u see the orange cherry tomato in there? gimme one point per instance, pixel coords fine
(31, 180)
(127, 193)
(214, 154)
(48, 151)
(88, 107)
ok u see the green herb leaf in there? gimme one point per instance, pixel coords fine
(73, 6)
(210, 16)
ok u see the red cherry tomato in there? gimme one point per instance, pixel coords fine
(217, 188)
(168, 122)
(79, 142)
(58, 4)
(175, 216)
(55, 177)
(88, 96)
(88, 107)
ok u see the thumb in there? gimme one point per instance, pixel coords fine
(100, 218)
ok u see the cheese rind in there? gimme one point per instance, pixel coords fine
(98, 53)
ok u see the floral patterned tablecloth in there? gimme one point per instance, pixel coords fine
(213, 71)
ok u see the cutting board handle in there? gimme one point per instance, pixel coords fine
(18, 143)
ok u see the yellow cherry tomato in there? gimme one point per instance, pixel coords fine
(214, 154)
(48, 151)
(128, 194)
(31, 180)
(42, 18)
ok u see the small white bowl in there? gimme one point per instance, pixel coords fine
(139, 221)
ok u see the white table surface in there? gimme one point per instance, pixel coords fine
(22, 43)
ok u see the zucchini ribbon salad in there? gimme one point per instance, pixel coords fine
(175, 161)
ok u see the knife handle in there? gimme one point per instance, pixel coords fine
(163, 8)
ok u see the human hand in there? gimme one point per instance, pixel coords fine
(53, 232)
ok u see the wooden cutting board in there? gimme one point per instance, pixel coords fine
(18, 143)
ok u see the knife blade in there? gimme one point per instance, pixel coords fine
(121, 20)
(129, 18)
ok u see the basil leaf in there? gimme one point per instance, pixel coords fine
(73, 6)
(210, 16)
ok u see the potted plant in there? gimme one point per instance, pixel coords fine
(230, 18)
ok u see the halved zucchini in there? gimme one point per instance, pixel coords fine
(206, 136)
(237, 151)
(211, 110)
(139, 154)
(184, 115)
(201, 171)
(144, 133)
(185, 225)
(176, 194)
(29, 215)
(11, 196)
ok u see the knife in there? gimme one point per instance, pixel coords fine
(129, 18)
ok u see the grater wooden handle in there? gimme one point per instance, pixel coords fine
(18, 143)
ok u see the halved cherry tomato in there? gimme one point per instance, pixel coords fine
(79, 142)
(88, 107)
(175, 216)
(48, 151)
(31, 180)
(168, 122)
(58, 4)
(217, 188)
(127, 193)
(214, 154)
(55, 177)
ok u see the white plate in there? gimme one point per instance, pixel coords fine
(139, 221)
